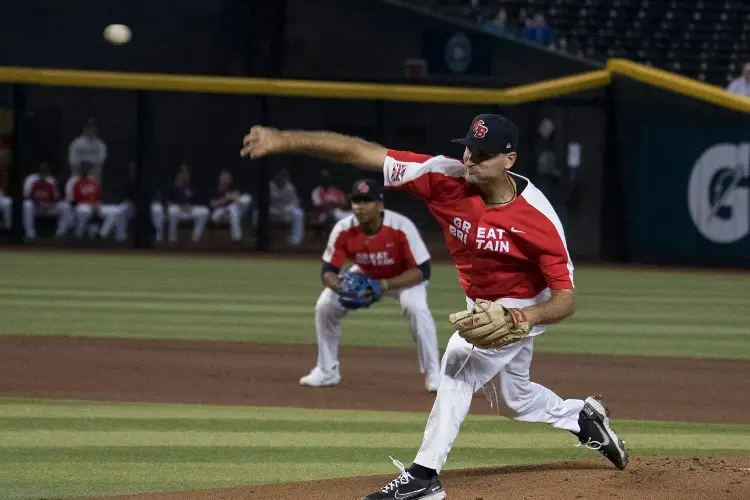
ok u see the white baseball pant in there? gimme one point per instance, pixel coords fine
(296, 217)
(465, 371)
(413, 300)
(83, 212)
(31, 210)
(234, 212)
(119, 220)
(175, 213)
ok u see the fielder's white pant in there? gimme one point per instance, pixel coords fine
(31, 210)
(507, 368)
(119, 220)
(413, 300)
(6, 211)
(197, 213)
(233, 212)
(83, 212)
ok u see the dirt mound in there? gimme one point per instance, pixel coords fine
(649, 478)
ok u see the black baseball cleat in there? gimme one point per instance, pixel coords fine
(596, 434)
(408, 487)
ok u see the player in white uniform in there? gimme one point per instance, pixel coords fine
(385, 246)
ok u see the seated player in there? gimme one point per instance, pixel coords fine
(41, 197)
(390, 257)
(329, 202)
(230, 205)
(181, 206)
(83, 194)
(284, 206)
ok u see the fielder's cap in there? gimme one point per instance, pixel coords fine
(367, 189)
(493, 134)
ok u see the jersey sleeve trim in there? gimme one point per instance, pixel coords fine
(558, 279)
(403, 167)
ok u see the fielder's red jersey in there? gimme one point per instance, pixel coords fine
(515, 251)
(40, 189)
(86, 190)
(395, 248)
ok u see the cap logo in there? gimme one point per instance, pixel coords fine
(508, 146)
(480, 130)
(362, 187)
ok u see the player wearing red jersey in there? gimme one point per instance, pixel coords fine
(83, 194)
(42, 198)
(384, 246)
(513, 264)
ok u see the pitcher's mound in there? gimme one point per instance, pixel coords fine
(648, 478)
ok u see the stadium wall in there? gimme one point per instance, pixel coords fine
(684, 167)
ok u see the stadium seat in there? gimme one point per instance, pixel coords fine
(704, 39)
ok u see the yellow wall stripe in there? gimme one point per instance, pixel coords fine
(305, 88)
(679, 84)
(372, 91)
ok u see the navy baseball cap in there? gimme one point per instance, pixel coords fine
(367, 189)
(493, 134)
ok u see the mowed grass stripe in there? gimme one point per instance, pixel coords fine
(231, 425)
(496, 439)
(312, 454)
(166, 305)
(636, 312)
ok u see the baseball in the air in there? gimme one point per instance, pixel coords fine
(117, 34)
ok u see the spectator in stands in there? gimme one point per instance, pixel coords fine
(499, 24)
(125, 208)
(83, 194)
(230, 205)
(88, 147)
(329, 203)
(41, 198)
(181, 206)
(741, 85)
(284, 206)
(538, 32)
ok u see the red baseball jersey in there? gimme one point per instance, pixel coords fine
(332, 195)
(84, 190)
(516, 251)
(395, 248)
(40, 189)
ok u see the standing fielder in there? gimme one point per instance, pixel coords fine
(390, 259)
(513, 265)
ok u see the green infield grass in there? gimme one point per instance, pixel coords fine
(620, 312)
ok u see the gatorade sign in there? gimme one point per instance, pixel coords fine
(719, 193)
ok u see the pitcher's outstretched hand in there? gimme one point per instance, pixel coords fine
(262, 141)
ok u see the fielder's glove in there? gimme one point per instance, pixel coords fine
(357, 290)
(490, 326)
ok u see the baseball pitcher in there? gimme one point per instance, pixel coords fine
(513, 264)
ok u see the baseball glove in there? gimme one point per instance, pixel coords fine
(357, 290)
(490, 326)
